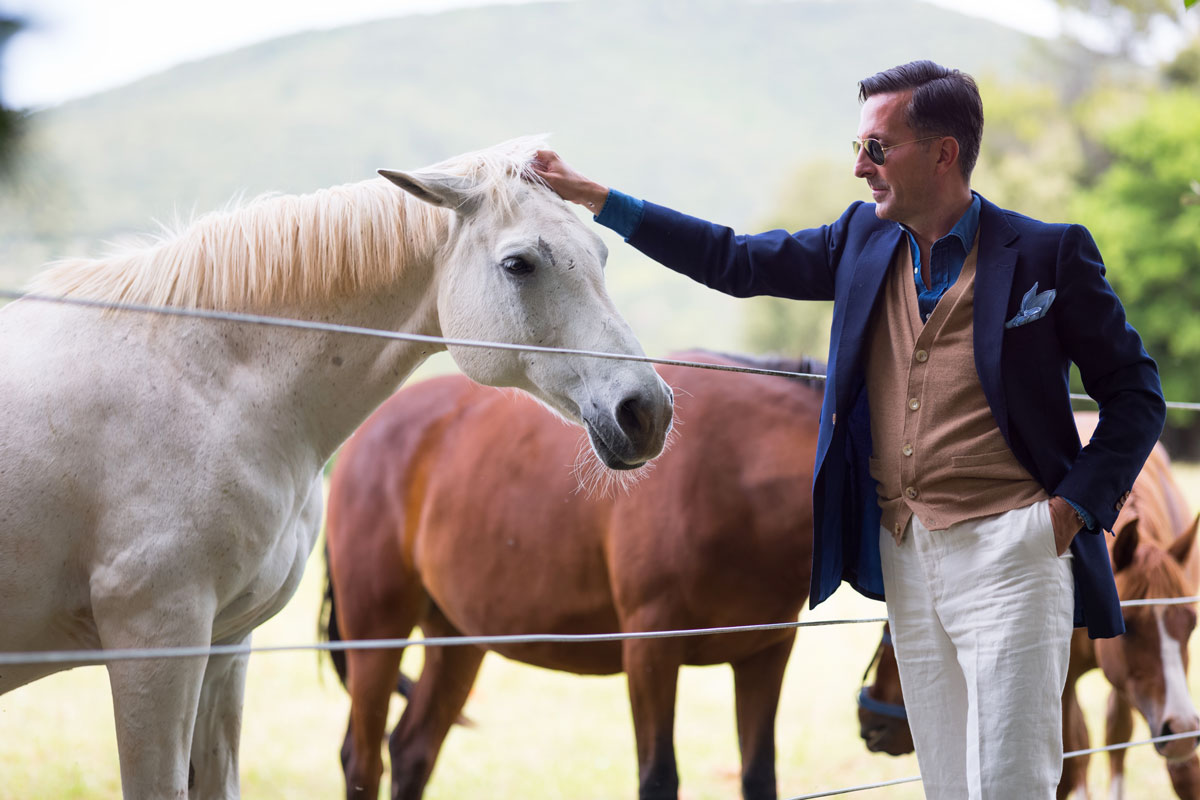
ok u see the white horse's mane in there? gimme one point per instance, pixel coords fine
(285, 249)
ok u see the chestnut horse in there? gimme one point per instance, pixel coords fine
(1154, 557)
(454, 508)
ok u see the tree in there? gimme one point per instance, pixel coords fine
(11, 121)
(1143, 211)
(1128, 27)
(817, 194)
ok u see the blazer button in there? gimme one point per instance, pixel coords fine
(833, 418)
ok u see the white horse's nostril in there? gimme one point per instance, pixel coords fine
(632, 417)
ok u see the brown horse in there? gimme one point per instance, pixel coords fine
(454, 508)
(1153, 556)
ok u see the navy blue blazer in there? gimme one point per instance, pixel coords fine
(1023, 369)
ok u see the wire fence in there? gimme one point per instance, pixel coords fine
(105, 656)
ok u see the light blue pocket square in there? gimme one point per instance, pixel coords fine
(1033, 307)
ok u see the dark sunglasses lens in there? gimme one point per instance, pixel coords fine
(874, 151)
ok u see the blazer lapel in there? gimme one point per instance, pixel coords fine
(861, 296)
(993, 285)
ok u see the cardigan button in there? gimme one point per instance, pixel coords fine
(922, 356)
(914, 404)
(911, 493)
(907, 449)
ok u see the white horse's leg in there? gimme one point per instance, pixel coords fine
(154, 704)
(154, 700)
(218, 728)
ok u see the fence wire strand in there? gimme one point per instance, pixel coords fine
(104, 656)
(331, 327)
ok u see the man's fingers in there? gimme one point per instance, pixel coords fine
(542, 160)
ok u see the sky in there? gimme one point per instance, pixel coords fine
(72, 48)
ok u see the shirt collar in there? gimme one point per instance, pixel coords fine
(966, 227)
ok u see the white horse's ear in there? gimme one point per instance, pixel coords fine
(437, 188)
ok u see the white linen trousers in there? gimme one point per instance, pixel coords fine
(981, 617)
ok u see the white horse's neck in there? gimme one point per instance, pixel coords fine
(327, 382)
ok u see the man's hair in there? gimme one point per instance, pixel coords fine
(945, 102)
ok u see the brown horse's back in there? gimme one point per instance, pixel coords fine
(466, 496)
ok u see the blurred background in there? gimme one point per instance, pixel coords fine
(121, 114)
(115, 116)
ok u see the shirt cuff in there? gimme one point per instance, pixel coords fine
(621, 213)
(1089, 522)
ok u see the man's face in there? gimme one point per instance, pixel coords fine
(903, 186)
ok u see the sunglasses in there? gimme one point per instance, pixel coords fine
(877, 152)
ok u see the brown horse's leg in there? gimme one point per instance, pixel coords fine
(387, 607)
(371, 679)
(1073, 782)
(652, 669)
(1118, 728)
(1185, 777)
(757, 683)
(436, 701)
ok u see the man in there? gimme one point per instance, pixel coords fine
(949, 474)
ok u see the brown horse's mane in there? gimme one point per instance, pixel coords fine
(1153, 574)
(804, 364)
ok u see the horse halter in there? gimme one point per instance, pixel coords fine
(868, 703)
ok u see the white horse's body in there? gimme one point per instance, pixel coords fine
(160, 477)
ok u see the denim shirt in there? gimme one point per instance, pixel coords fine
(946, 258)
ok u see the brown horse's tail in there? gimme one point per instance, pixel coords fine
(327, 631)
(327, 624)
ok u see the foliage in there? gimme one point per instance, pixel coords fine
(1129, 26)
(11, 120)
(1142, 210)
(1031, 153)
(816, 194)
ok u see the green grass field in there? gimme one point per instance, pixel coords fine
(538, 734)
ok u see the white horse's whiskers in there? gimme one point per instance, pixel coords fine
(597, 481)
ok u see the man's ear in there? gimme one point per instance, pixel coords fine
(947, 154)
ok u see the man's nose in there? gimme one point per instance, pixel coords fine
(863, 165)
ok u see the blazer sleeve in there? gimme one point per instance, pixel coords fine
(1116, 372)
(800, 265)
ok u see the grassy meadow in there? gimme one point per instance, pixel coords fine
(537, 734)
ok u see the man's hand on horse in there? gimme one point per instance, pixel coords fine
(570, 184)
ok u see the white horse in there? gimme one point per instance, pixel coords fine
(160, 477)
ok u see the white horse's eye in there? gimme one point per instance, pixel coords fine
(515, 265)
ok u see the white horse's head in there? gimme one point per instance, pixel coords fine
(521, 268)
